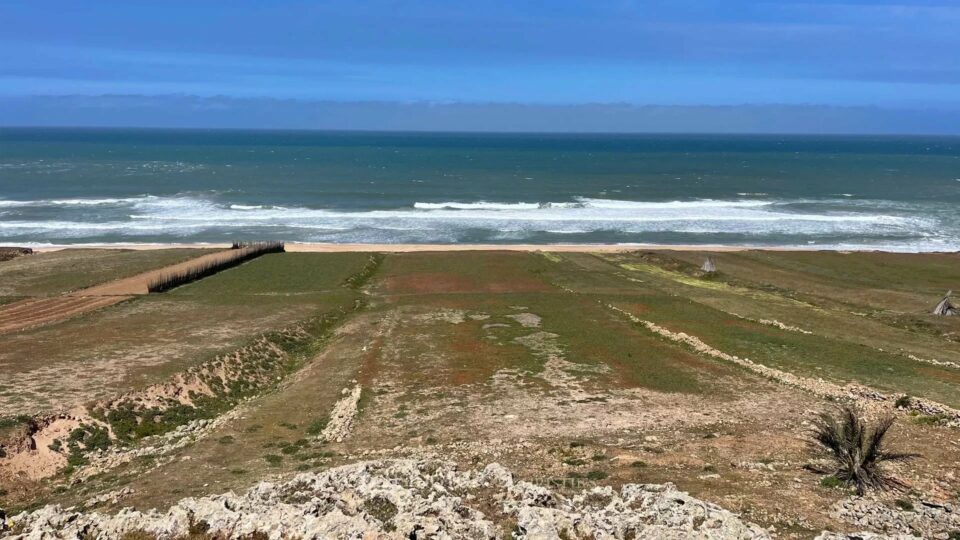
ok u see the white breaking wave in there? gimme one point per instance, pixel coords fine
(482, 205)
(69, 202)
(826, 222)
(584, 202)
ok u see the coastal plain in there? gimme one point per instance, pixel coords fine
(575, 369)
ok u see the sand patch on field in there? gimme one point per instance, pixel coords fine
(527, 320)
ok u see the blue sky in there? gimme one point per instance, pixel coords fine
(892, 55)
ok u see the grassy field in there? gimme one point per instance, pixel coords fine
(57, 272)
(531, 360)
(278, 275)
(144, 340)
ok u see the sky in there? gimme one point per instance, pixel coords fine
(138, 62)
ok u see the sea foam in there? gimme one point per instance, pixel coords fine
(838, 221)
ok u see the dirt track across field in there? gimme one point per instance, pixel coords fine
(39, 311)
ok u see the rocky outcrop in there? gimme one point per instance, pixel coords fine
(342, 417)
(914, 518)
(409, 499)
(827, 535)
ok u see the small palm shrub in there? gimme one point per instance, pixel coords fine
(857, 449)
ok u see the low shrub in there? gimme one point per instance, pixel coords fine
(830, 482)
(904, 504)
(857, 449)
(596, 475)
(317, 426)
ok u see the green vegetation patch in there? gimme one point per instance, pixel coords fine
(317, 426)
(807, 355)
(358, 280)
(280, 274)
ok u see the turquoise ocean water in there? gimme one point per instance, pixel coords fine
(77, 186)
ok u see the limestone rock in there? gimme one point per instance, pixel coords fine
(406, 498)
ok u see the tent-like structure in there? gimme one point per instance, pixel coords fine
(709, 266)
(945, 307)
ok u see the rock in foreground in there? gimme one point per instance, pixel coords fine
(409, 499)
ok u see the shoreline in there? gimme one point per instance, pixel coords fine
(318, 247)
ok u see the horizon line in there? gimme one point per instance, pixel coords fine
(484, 132)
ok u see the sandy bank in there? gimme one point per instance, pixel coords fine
(411, 248)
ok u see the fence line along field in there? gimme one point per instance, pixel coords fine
(481, 394)
(35, 311)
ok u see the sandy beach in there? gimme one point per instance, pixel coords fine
(298, 247)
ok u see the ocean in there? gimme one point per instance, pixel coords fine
(128, 186)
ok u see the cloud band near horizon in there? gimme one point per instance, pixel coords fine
(181, 111)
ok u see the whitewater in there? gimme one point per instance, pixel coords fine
(76, 187)
(179, 218)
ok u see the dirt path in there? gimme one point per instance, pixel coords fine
(39, 311)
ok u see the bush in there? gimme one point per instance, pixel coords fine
(317, 426)
(830, 482)
(904, 504)
(857, 449)
(932, 420)
(596, 475)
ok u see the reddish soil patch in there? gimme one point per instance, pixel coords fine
(472, 360)
(428, 283)
(633, 307)
(438, 282)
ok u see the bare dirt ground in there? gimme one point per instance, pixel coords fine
(36, 312)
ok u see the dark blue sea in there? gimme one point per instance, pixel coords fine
(81, 186)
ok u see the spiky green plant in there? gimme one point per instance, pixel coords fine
(857, 449)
